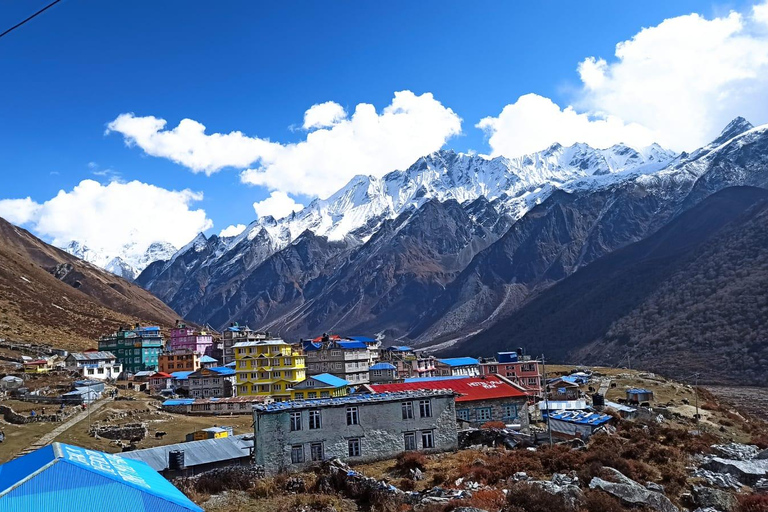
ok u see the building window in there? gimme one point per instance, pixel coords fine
(352, 416)
(325, 394)
(287, 361)
(299, 396)
(297, 454)
(463, 414)
(410, 441)
(427, 439)
(354, 447)
(510, 412)
(407, 410)
(312, 394)
(376, 373)
(335, 353)
(425, 408)
(295, 421)
(316, 451)
(484, 414)
(315, 422)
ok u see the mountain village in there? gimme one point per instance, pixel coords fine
(262, 407)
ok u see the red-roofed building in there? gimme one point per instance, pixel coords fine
(160, 381)
(480, 400)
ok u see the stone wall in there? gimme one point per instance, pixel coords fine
(381, 432)
(130, 431)
(12, 416)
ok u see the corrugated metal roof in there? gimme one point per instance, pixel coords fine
(364, 339)
(92, 356)
(620, 407)
(351, 400)
(348, 345)
(223, 370)
(383, 366)
(436, 379)
(196, 453)
(400, 348)
(208, 359)
(65, 478)
(635, 391)
(180, 375)
(460, 361)
(563, 405)
(469, 389)
(330, 380)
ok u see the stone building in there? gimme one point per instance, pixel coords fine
(212, 382)
(236, 334)
(479, 399)
(364, 427)
(345, 358)
(384, 372)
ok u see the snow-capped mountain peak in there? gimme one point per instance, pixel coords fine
(127, 262)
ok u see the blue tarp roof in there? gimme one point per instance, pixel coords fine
(400, 348)
(580, 417)
(223, 370)
(460, 361)
(65, 478)
(207, 359)
(331, 380)
(383, 366)
(364, 339)
(351, 344)
(179, 401)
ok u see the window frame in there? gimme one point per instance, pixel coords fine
(316, 419)
(353, 415)
(430, 435)
(297, 454)
(408, 446)
(407, 410)
(425, 408)
(295, 418)
(354, 447)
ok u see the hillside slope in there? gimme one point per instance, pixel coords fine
(50, 296)
(690, 297)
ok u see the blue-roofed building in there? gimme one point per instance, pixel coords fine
(458, 366)
(323, 385)
(217, 381)
(65, 478)
(208, 362)
(576, 424)
(384, 372)
(346, 358)
(639, 395)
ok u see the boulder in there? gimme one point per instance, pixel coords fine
(632, 493)
(736, 451)
(723, 480)
(468, 509)
(746, 471)
(704, 497)
(763, 455)
(653, 486)
(572, 494)
(761, 485)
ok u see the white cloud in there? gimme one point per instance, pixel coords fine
(678, 83)
(19, 211)
(107, 217)
(323, 115)
(342, 146)
(533, 122)
(278, 205)
(685, 78)
(232, 230)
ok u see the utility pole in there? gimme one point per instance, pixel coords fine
(546, 399)
(696, 392)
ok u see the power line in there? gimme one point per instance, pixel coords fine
(41, 11)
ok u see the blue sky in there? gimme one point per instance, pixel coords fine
(256, 67)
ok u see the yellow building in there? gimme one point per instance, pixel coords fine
(268, 368)
(324, 385)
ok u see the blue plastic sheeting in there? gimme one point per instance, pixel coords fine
(582, 418)
(635, 391)
(179, 401)
(460, 361)
(400, 348)
(65, 478)
(364, 339)
(330, 380)
(351, 344)
(223, 370)
(383, 366)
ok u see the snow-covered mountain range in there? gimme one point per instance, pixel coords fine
(128, 262)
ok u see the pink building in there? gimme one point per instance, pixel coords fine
(186, 338)
(524, 372)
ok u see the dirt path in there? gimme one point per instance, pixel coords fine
(604, 385)
(53, 434)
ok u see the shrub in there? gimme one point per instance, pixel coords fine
(406, 484)
(487, 499)
(530, 498)
(407, 461)
(560, 458)
(753, 503)
(598, 501)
